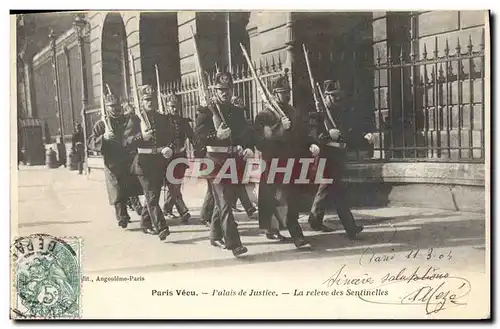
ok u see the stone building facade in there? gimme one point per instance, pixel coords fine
(418, 76)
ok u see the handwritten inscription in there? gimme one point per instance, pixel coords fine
(436, 296)
(370, 256)
(341, 278)
(431, 273)
(429, 254)
(420, 285)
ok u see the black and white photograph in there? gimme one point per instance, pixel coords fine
(261, 164)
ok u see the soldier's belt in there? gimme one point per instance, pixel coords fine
(221, 149)
(152, 150)
(336, 144)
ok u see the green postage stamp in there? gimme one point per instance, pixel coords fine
(46, 277)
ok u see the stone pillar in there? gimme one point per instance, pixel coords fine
(28, 87)
(290, 54)
(186, 20)
(96, 20)
(253, 35)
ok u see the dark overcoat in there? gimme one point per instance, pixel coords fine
(118, 157)
(292, 144)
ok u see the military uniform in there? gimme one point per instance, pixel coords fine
(150, 164)
(117, 160)
(182, 132)
(293, 143)
(352, 134)
(223, 228)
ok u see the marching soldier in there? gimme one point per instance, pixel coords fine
(333, 149)
(182, 132)
(154, 147)
(227, 137)
(283, 138)
(111, 143)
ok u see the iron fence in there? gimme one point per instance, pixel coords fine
(431, 108)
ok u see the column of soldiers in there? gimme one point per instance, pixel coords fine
(136, 160)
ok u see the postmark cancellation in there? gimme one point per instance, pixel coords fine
(46, 277)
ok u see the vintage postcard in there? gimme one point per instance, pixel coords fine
(250, 165)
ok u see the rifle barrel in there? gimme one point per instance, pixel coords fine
(261, 87)
(145, 124)
(202, 85)
(104, 115)
(326, 107)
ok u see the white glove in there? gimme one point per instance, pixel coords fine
(268, 132)
(147, 135)
(314, 150)
(108, 135)
(334, 134)
(286, 123)
(167, 152)
(369, 138)
(247, 153)
(223, 133)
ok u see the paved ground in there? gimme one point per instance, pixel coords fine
(62, 203)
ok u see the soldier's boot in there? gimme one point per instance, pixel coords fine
(185, 217)
(251, 211)
(218, 243)
(353, 234)
(316, 224)
(164, 233)
(121, 214)
(276, 235)
(302, 243)
(240, 250)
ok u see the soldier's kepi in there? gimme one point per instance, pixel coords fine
(154, 149)
(222, 129)
(283, 138)
(351, 130)
(111, 142)
(182, 132)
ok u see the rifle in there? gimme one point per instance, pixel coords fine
(315, 92)
(205, 99)
(326, 108)
(104, 114)
(145, 124)
(261, 87)
(161, 109)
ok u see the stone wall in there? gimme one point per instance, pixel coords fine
(159, 46)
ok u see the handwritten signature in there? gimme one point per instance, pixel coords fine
(437, 295)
